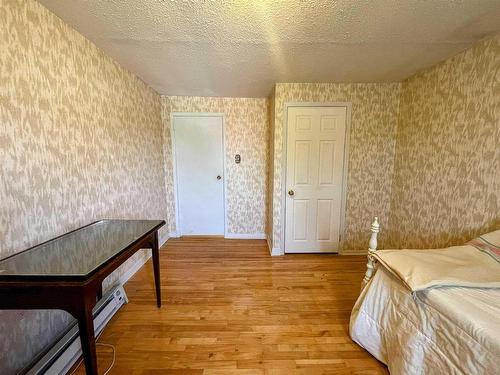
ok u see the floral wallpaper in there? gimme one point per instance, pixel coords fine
(371, 151)
(80, 140)
(270, 185)
(246, 133)
(447, 171)
(83, 139)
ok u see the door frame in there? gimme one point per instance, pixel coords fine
(173, 115)
(347, 136)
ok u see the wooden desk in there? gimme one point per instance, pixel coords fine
(66, 273)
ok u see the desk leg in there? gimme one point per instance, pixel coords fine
(87, 338)
(156, 267)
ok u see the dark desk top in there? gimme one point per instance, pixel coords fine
(78, 253)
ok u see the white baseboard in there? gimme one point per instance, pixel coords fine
(133, 269)
(174, 235)
(354, 252)
(141, 262)
(246, 236)
(273, 251)
(163, 239)
(276, 252)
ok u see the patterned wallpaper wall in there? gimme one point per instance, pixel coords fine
(447, 169)
(80, 139)
(270, 185)
(246, 133)
(371, 154)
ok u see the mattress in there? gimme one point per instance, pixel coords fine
(450, 330)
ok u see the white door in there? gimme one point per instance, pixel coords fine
(199, 162)
(314, 178)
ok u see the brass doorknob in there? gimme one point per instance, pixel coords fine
(291, 193)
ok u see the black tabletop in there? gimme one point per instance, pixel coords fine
(78, 253)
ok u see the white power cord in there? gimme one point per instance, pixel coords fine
(114, 356)
(102, 344)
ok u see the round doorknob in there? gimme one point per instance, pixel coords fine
(219, 177)
(291, 193)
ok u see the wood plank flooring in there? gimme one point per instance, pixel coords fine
(230, 308)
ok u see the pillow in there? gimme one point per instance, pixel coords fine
(488, 243)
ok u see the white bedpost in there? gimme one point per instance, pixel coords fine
(370, 265)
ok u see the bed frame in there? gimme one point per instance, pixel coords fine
(372, 248)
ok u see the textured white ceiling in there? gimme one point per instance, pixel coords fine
(242, 47)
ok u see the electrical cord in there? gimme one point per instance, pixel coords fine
(104, 345)
(114, 356)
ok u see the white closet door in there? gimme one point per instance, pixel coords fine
(198, 143)
(314, 178)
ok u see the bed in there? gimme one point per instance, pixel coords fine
(432, 311)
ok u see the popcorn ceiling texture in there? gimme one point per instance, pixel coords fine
(245, 133)
(446, 186)
(371, 151)
(240, 48)
(80, 140)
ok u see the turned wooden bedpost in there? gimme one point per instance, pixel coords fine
(370, 265)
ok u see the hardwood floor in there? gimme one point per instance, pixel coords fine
(230, 308)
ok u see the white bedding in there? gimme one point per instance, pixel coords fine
(451, 330)
(475, 264)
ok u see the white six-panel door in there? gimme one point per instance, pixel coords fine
(199, 163)
(314, 178)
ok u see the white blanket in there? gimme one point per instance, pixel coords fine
(449, 330)
(476, 264)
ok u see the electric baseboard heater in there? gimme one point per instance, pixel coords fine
(64, 354)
